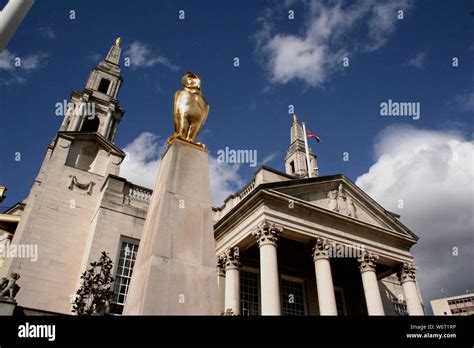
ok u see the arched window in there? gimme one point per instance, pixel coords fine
(91, 124)
(292, 167)
(104, 86)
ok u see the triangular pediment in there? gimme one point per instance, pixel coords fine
(341, 196)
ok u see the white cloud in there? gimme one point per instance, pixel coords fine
(47, 32)
(465, 101)
(15, 71)
(7, 60)
(433, 173)
(143, 160)
(142, 56)
(225, 180)
(94, 57)
(268, 158)
(382, 19)
(417, 61)
(326, 38)
(33, 61)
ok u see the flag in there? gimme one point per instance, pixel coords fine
(314, 136)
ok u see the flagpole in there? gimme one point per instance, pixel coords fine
(306, 149)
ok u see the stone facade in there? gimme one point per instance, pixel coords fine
(65, 206)
(286, 244)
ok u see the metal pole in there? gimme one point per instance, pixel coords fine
(307, 151)
(11, 17)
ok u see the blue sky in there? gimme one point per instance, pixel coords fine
(282, 62)
(247, 111)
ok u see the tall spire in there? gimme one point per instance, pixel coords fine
(295, 160)
(114, 52)
(96, 108)
(106, 77)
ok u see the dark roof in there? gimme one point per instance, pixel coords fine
(274, 185)
(233, 195)
(96, 136)
(295, 182)
(13, 207)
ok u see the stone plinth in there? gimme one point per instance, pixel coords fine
(7, 306)
(175, 270)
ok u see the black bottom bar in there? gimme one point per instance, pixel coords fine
(225, 331)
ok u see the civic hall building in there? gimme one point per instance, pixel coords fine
(288, 243)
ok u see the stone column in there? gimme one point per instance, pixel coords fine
(373, 299)
(232, 281)
(326, 296)
(78, 116)
(67, 117)
(106, 128)
(267, 236)
(407, 278)
(221, 281)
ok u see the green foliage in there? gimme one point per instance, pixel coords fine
(228, 312)
(96, 288)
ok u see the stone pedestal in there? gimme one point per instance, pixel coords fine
(7, 306)
(175, 271)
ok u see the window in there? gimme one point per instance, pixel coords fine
(292, 166)
(82, 155)
(104, 86)
(398, 304)
(90, 124)
(249, 293)
(292, 297)
(340, 301)
(123, 274)
(400, 308)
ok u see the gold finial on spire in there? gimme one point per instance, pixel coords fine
(118, 41)
(295, 119)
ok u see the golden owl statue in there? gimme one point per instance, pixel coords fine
(190, 109)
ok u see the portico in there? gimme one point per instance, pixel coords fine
(297, 257)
